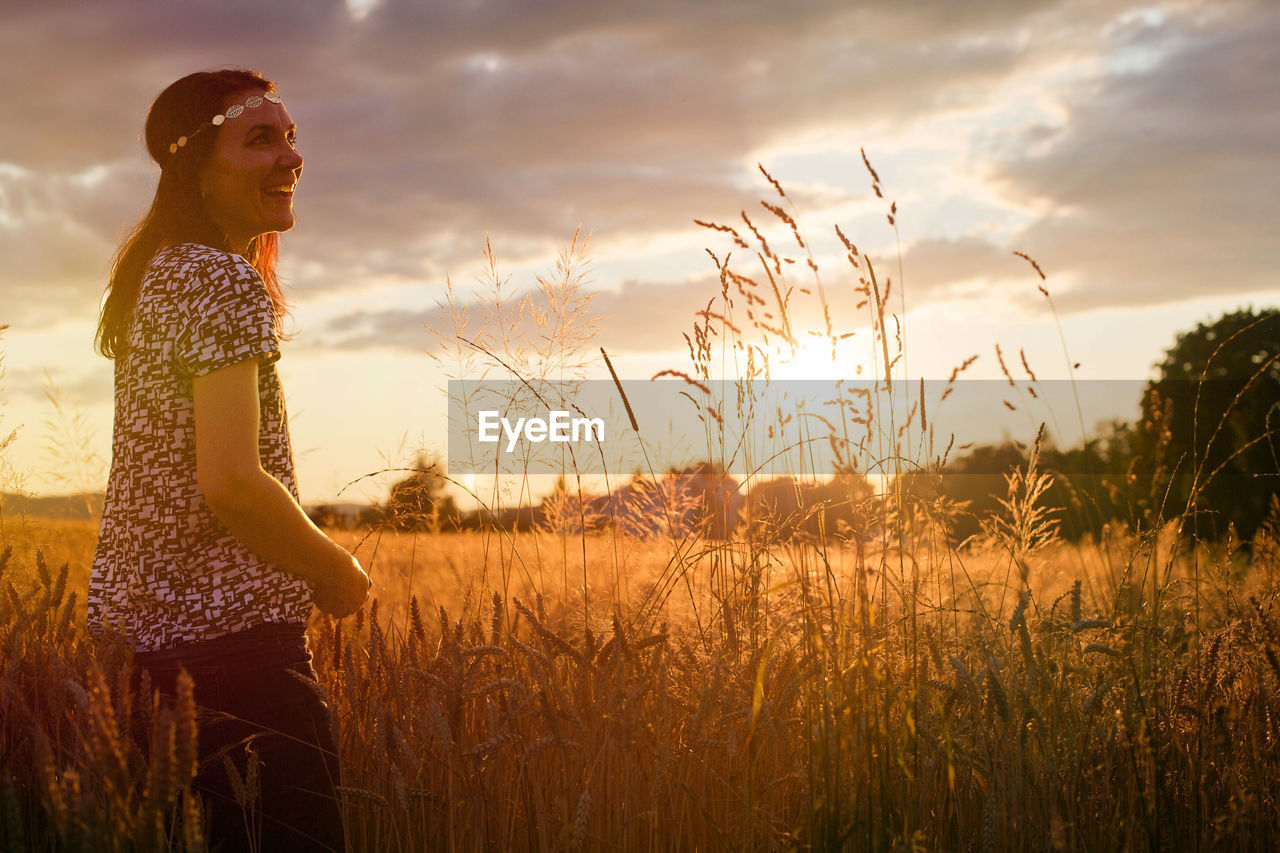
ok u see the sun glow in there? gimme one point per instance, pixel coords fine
(817, 359)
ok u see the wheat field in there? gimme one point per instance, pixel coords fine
(815, 712)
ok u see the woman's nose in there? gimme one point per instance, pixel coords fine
(292, 160)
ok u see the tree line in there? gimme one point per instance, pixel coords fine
(1207, 449)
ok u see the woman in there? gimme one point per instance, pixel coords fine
(205, 560)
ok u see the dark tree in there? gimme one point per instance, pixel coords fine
(841, 507)
(1095, 484)
(1090, 483)
(419, 502)
(706, 496)
(975, 480)
(1216, 406)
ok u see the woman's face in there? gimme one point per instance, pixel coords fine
(249, 178)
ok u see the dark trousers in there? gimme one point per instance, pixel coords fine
(257, 687)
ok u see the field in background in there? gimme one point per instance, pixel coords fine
(813, 708)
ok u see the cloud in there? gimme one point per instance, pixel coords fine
(57, 235)
(72, 392)
(428, 126)
(637, 316)
(1164, 174)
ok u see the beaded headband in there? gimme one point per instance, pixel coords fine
(252, 102)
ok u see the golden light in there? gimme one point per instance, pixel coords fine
(814, 359)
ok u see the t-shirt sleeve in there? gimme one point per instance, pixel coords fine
(231, 319)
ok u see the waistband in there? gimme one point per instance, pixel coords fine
(283, 641)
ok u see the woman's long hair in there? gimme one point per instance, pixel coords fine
(178, 213)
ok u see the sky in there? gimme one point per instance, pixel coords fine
(1129, 148)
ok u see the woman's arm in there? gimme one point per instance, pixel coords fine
(255, 506)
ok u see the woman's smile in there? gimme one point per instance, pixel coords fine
(250, 177)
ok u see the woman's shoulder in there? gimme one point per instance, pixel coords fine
(201, 273)
(197, 257)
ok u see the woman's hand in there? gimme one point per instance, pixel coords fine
(341, 590)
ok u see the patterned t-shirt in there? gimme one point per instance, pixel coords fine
(166, 571)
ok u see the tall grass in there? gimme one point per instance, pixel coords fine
(874, 685)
